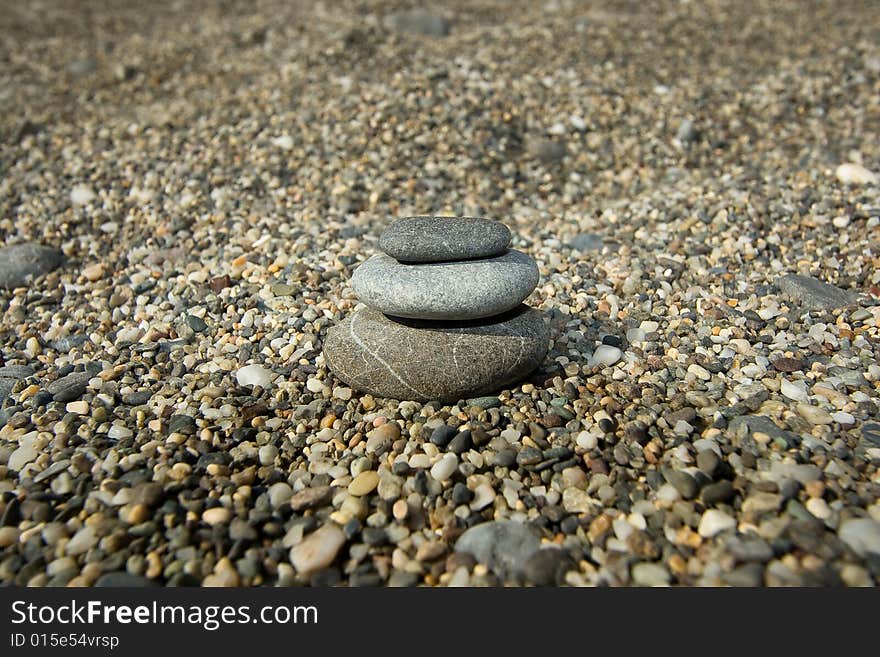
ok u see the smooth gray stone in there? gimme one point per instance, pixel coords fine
(813, 293)
(436, 239)
(467, 289)
(10, 375)
(426, 360)
(418, 21)
(21, 262)
(505, 546)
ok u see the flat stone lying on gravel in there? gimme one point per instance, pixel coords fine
(423, 361)
(318, 549)
(418, 21)
(761, 424)
(813, 293)
(862, 535)
(12, 374)
(871, 432)
(465, 289)
(72, 386)
(436, 239)
(503, 545)
(19, 263)
(586, 242)
(124, 579)
(309, 498)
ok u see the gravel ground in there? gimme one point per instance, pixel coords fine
(213, 172)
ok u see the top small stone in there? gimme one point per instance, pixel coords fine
(438, 239)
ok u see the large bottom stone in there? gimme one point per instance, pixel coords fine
(427, 360)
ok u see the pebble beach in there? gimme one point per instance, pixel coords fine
(187, 188)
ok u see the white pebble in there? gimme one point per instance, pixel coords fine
(419, 461)
(118, 432)
(714, 522)
(267, 454)
(819, 508)
(315, 385)
(605, 355)
(253, 375)
(795, 391)
(82, 195)
(699, 371)
(284, 142)
(843, 418)
(850, 173)
(484, 495)
(649, 326)
(342, 393)
(587, 440)
(443, 469)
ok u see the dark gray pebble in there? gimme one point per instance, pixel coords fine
(197, 324)
(717, 493)
(529, 456)
(684, 483)
(461, 442)
(182, 424)
(547, 567)
(442, 435)
(124, 579)
(20, 263)
(138, 398)
(438, 239)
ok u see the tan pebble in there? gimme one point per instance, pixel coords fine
(28, 392)
(815, 488)
(78, 407)
(8, 536)
(216, 515)
(400, 510)
(364, 483)
(217, 469)
(154, 565)
(430, 551)
(93, 272)
(222, 579)
(327, 421)
(179, 471)
(318, 550)
(139, 513)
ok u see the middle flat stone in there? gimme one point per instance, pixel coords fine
(466, 289)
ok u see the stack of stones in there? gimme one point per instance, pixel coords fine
(444, 318)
